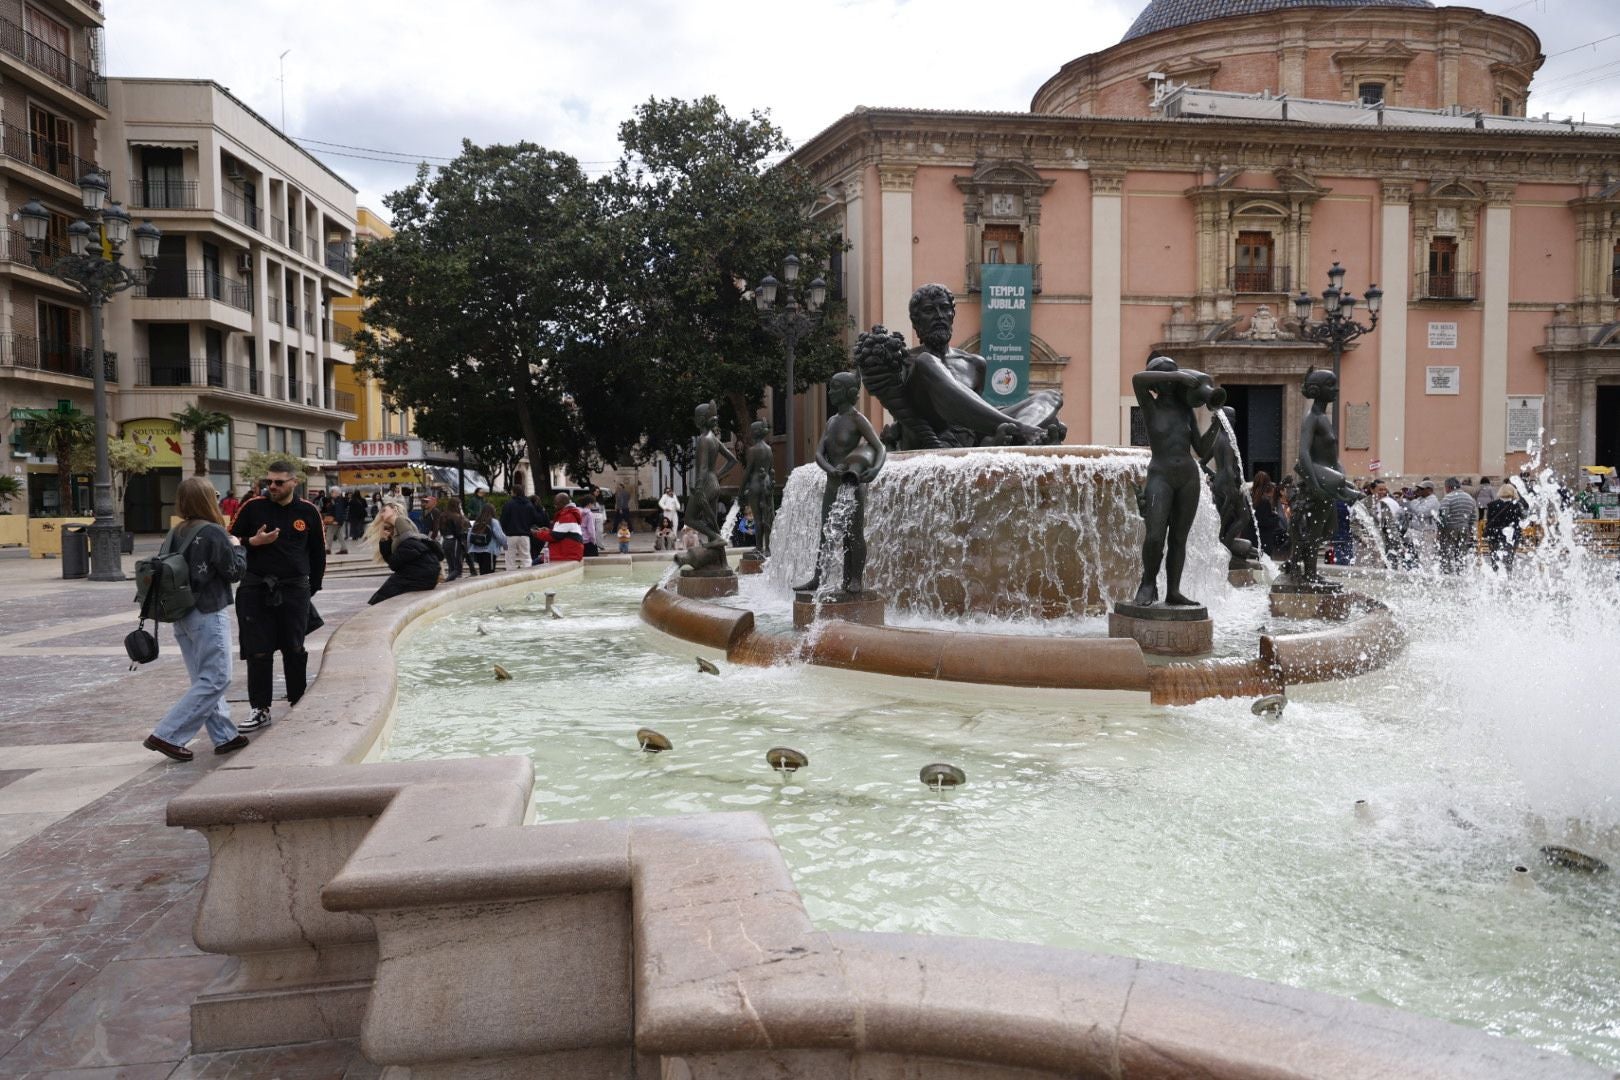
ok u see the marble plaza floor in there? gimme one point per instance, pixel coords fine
(97, 894)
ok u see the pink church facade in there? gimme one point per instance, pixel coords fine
(1176, 192)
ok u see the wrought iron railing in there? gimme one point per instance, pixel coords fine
(1458, 285)
(343, 401)
(1258, 279)
(52, 62)
(250, 214)
(24, 146)
(14, 248)
(163, 194)
(45, 354)
(291, 313)
(177, 283)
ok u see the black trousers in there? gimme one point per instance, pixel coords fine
(484, 561)
(453, 557)
(266, 628)
(396, 585)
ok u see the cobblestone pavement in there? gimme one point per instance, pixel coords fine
(97, 966)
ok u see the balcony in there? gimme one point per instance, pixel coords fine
(278, 230)
(343, 401)
(343, 335)
(28, 353)
(179, 371)
(295, 238)
(1452, 286)
(22, 145)
(195, 285)
(51, 62)
(1258, 279)
(163, 194)
(291, 314)
(340, 257)
(250, 214)
(14, 248)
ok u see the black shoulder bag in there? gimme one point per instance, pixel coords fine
(140, 644)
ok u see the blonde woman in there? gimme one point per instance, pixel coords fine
(216, 559)
(413, 558)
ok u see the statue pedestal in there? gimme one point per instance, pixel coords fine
(1309, 600)
(1241, 574)
(1162, 630)
(752, 563)
(706, 586)
(865, 608)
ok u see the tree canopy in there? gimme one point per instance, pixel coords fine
(520, 300)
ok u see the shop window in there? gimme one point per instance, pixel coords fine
(1003, 244)
(1371, 93)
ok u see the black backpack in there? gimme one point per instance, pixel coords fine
(163, 581)
(480, 535)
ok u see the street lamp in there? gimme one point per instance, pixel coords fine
(99, 277)
(1337, 328)
(789, 323)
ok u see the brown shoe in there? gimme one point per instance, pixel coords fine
(233, 744)
(178, 753)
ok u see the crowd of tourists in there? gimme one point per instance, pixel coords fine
(1417, 526)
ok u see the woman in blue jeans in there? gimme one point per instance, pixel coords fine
(216, 559)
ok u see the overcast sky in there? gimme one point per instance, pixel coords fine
(413, 78)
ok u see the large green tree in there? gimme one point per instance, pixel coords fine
(496, 260)
(703, 209)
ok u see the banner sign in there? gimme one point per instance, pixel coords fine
(382, 475)
(380, 450)
(1008, 291)
(160, 441)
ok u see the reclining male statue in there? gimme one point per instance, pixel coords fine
(933, 391)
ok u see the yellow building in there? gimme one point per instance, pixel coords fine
(372, 419)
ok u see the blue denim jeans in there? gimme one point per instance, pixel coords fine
(205, 645)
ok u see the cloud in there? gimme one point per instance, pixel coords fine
(417, 77)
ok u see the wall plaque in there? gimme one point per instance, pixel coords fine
(1358, 425)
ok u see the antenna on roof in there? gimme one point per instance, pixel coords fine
(283, 81)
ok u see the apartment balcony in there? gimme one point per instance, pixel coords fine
(1461, 286)
(239, 209)
(340, 258)
(291, 314)
(15, 251)
(24, 352)
(163, 194)
(52, 63)
(343, 401)
(295, 238)
(1259, 279)
(176, 284)
(23, 146)
(182, 371)
(278, 229)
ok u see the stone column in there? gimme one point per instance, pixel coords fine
(1395, 272)
(855, 235)
(1494, 337)
(896, 181)
(1107, 236)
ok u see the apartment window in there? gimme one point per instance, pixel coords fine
(214, 348)
(1443, 266)
(50, 142)
(163, 179)
(296, 442)
(264, 439)
(170, 348)
(58, 332)
(1253, 271)
(280, 439)
(1370, 93)
(168, 274)
(212, 282)
(332, 440)
(50, 50)
(1003, 244)
(219, 450)
(1614, 271)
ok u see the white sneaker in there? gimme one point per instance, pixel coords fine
(259, 719)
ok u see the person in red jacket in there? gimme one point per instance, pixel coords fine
(566, 536)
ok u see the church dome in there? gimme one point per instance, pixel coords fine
(1165, 14)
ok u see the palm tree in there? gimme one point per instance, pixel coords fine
(201, 423)
(60, 432)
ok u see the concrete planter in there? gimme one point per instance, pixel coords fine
(13, 530)
(45, 535)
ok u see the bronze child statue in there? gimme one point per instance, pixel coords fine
(1168, 395)
(1322, 483)
(851, 455)
(758, 481)
(703, 504)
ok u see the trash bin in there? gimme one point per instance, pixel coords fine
(75, 551)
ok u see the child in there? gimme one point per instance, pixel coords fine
(850, 454)
(624, 538)
(662, 541)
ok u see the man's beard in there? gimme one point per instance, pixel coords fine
(936, 340)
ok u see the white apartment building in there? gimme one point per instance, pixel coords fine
(236, 315)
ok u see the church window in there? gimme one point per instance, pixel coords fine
(1370, 93)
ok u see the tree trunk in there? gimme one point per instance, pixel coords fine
(531, 434)
(64, 477)
(199, 452)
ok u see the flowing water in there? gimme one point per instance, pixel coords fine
(1201, 835)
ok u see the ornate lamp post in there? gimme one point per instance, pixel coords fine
(789, 323)
(99, 277)
(1337, 329)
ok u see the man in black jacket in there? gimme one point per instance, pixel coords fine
(286, 559)
(518, 519)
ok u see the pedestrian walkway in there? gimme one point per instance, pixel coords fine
(97, 966)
